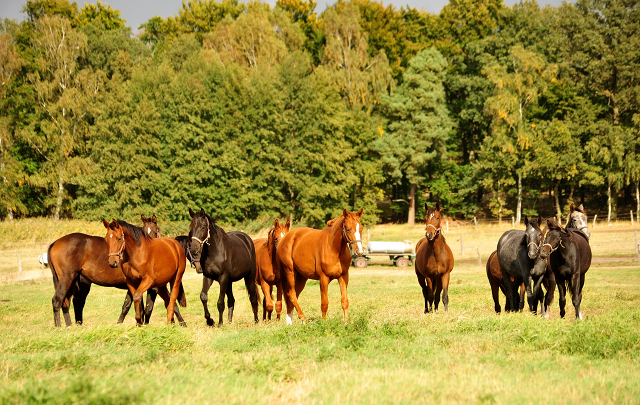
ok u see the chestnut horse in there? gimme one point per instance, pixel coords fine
(323, 255)
(268, 269)
(434, 261)
(78, 260)
(151, 263)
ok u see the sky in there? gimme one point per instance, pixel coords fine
(137, 12)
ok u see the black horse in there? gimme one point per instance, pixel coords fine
(224, 257)
(517, 251)
(568, 254)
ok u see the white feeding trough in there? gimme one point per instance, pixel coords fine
(401, 253)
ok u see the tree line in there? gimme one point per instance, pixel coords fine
(252, 111)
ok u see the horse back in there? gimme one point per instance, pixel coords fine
(584, 250)
(302, 249)
(512, 253)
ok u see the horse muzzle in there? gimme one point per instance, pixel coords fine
(113, 264)
(198, 267)
(532, 253)
(430, 236)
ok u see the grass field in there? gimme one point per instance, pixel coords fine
(389, 352)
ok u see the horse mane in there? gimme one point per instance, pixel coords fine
(213, 226)
(580, 210)
(535, 225)
(136, 232)
(271, 240)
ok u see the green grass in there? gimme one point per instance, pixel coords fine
(389, 352)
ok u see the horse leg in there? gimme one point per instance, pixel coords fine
(437, 293)
(507, 302)
(204, 297)
(290, 283)
(152, 293)
(425, 291)
(175, 290)
(550, 285)
(231, 301)
(445, 291)
(145, 284)
(224, 279)
(430, 288)
(562, 299)
(508, 292)
(267, 301)
(523, 290)
(324, 297)
(80, 298)
(278, 301)
(128, 300)
(163, 292)
(577, 296)
(344, 283)
(253, 296)
(264, 311)
(62, 290)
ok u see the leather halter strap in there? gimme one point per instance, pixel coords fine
(119, 253)
(344, 235)
(206, 240)
(436, 230)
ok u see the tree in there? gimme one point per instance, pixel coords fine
(362, 79)
(518, 81)
(419, 123)
(64, 94)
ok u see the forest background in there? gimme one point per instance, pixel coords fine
(253, 112)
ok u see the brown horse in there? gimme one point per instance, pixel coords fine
(152, 263)
(434, 261)
(494, 274)
(268, 269)
(323, 255)
(78, 260)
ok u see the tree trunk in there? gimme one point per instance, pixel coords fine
(499, 209)
(609, 201)
(556, 194)
(412, 205)
(638, 201)
(56, 216)
(519, 207)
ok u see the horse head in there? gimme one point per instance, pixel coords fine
(433, 218)
(578, 220)
(150, 226)
(199, 234)
(533, 235)
(115, 240)
(277, 233)
(551, 241)
(351, 230)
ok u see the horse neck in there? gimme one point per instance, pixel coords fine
(131, 248)
(436, 247)
(336, 236)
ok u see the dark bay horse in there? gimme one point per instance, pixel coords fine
(568, 254)
(78, 260)
(223, 256)
(494, 274)
(151, 263)
(434, 261)
(268, 269)
(323, 255)
(517, 251)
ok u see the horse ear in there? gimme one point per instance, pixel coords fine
(154, 219)
(114, 224)
(426, 207)
(539, 220)
(288, 225)
(191, 212)
(526, 220)
(550, 222)
(572, 208)
(359, 213)
(275, 223)
(437, 207)
(581, 208)
(202, 211)
(143, 218)
(105, 223)
(344, 213)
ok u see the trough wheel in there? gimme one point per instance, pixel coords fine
(402, 262)
(360, 262)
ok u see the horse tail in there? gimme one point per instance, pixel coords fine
(182, 298)
(53, 270)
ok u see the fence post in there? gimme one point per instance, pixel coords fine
(631, 217)
(637, 249)
(461, 246)
(513, 222)
(19, 267)
(594, 221)
(447, 226)
(475, 221)
(479, 260)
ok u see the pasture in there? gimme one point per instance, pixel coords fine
(389, 352)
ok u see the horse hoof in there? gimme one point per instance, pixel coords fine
(210, 322)
(183, 324)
